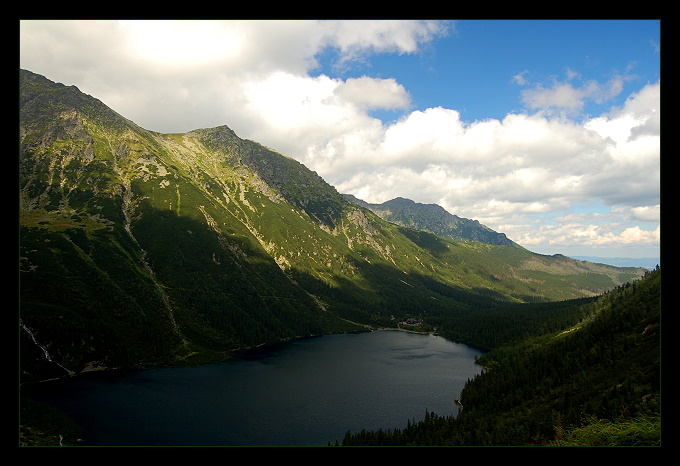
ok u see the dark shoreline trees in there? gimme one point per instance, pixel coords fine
(595, 383)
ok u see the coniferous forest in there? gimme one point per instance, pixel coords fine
(142, 249)
(595, 382)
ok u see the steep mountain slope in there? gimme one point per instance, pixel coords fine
(593, 382)
(435, 219)
(144, 248)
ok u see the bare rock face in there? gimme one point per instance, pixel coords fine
(142, 248)
(435, 219)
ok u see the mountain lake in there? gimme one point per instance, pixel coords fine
(306, 392)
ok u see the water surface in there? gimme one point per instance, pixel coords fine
(305, 392)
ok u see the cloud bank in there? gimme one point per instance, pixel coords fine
(549, 178)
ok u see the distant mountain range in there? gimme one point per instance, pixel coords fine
(141, 248)
(435, 219)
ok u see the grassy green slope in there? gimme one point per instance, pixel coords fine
(140, 247)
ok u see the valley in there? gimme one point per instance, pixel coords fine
(146, 248)
(143, 249)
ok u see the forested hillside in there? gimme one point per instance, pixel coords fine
(595, 381)
(142, 248)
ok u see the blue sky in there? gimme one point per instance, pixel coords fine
(548, 131)
(471, 69)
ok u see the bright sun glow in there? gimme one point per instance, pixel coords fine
(183, 43)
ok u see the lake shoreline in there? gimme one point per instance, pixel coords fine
(309, 392)
(196, 359)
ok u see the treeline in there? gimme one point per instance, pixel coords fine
(593, 383)
(511, 323)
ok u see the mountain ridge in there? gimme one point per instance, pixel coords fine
(435, 219)
(143, 248)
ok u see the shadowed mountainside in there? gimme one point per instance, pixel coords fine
(142, 248)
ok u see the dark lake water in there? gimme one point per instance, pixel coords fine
(305, 392)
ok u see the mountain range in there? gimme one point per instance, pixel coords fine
(435, 219)
(142, 248)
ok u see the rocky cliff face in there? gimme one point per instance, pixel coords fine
(144, 248)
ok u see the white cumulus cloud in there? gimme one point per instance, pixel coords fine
(522, 174)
